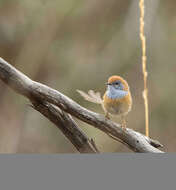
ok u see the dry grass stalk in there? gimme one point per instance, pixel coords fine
(144, 63)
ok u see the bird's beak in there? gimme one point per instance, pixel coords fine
(108, 83)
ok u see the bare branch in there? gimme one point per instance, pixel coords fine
(34, 90)
(67, 125)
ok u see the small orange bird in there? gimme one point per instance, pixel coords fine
(116, 100)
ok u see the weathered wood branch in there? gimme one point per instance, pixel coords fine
(34, 90)
(67, 125)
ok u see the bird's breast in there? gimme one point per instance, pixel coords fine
(117, 106)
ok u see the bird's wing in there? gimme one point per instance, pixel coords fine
(91, 96)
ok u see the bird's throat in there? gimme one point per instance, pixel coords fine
(116, 94)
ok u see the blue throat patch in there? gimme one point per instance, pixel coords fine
(116, 94)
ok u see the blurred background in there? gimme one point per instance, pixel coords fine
(74, 44)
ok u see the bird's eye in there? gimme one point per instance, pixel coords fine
(117, 83)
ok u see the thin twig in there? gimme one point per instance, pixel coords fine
(144, 63)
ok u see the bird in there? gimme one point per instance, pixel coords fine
(117, 99)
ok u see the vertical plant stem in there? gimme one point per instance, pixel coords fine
(144, 63)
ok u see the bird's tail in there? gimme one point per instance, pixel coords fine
(91, 96)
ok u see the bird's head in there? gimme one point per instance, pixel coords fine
(117, 87)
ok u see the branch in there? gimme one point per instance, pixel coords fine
(34, 90)
(64, 122)
(67, 125)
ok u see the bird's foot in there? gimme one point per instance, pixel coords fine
(107, 115)
(123, 124)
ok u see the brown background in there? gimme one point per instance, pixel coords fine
(71, 44)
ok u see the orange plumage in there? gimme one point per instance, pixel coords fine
(118, 106)
(117, 98)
